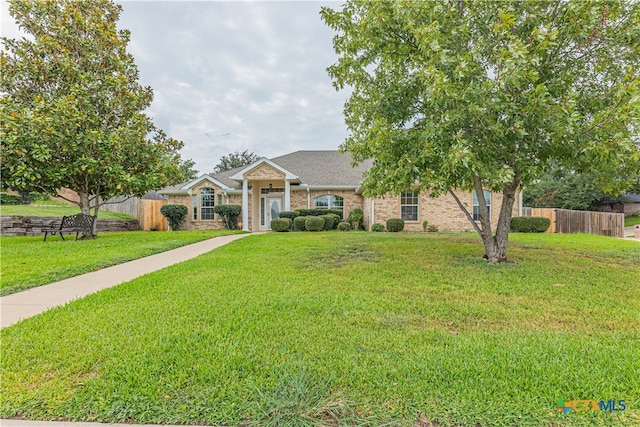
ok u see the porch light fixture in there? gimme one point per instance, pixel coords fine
(270, 186)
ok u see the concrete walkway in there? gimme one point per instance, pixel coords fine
(629, 233)
(22, 305)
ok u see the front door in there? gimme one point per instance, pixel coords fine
(272, 211)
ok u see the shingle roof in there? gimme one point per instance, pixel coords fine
(315, 168)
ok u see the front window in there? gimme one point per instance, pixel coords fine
(409, 205)
(476, 205)
(195, 207)
(329, 202)
(207, 202)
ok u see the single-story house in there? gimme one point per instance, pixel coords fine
(315, 179)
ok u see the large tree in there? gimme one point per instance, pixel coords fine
(235, 160)
(480, 95)
(72, 110)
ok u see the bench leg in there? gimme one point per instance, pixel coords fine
(45, 236)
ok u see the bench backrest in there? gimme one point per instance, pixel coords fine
(68, 222)
(83, 221)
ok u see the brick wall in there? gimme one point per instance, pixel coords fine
(442, 211)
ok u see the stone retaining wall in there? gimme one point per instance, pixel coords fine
(31, 225)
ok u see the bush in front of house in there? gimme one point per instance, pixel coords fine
(344, 226)
(356, 219)
(298, 223)
(229, 215)
(175, 215)
(336, 220)
(281, 224)
(430, 228)
(318, 212)
(10, 199)
(288, 214)
(328, 221)
(395, 225)
(530, 224)
(314, 223)
(377, 227)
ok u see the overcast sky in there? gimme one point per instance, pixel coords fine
(235, 75)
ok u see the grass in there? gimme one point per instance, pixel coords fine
(28, 262)
(298, 329)
(630, 221)
(53, 208)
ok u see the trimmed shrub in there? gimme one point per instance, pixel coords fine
(530, 224)
(10, 199)
(281, 224)
(356, 219)
(425, 225)
(395, 224)
(39, 197)
(298, 223)
(318, 212)
(175, 215)
(314, 223)
(432, 228)
(288, 214)
(377, 227)
(328, 221)
(336, 220)
(344, 226)
(229, 215)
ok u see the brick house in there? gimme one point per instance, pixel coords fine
(315, 179)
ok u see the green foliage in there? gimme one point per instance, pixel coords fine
(88, 255)
(344, 226)
(175, 215)
(356, 219)
(229, 215)
(431, 228)
(318, 212)
(281, 224)
(329, 220)
(187, 170)
(314, 223)
(395, 224)
(235, 160)
(72, 112)
(567, 190)
(288, 214)
(530, 224)
(336, 219)
(10, 199)
(298, 223)
(377, 227)
(487, 95)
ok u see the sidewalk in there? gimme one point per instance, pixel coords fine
(629, 233)
(22, 305)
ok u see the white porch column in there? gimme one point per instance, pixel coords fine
(287, 195)
(245, 204)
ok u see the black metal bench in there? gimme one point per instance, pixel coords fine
(78, 223)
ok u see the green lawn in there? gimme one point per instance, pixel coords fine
(28, 261)
(367, 328)
(630, 221)
(52, 208)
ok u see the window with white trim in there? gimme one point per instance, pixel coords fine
(329, 202)
(207, 202)
(476, 205)
(409, 203)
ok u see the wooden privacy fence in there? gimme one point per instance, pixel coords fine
(570, 221)
(146, 211)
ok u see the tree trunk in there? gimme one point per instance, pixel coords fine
(495, 246)
(85, 208)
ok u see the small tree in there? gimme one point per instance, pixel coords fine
(175, 215)
(471, 95)
(229, 215)
(235, 160)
